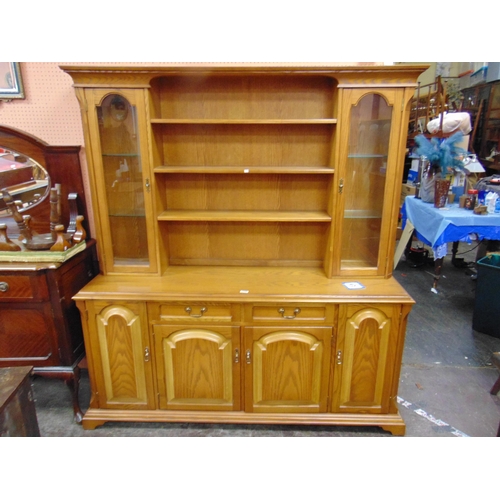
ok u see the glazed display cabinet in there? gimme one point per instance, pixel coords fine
(246, 219)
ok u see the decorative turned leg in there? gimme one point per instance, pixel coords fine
(438, 265)
(7, 245)
(62, 243)
(11, 204)
(73, 383)
(54, 212)
(80, 233)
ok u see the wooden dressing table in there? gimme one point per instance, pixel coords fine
(39, 323)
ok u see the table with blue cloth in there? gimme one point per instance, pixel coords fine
(438, 226)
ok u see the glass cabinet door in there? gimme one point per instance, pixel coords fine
(363, 184)
(123, 186)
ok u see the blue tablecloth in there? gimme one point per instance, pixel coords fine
(437, 226)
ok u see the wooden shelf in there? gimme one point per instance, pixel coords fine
(362, 214)
(120, 155)
(242, 170)
(243, 216)
(223, 121)
(368, 155)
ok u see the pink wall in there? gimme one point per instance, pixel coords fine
(50, 110)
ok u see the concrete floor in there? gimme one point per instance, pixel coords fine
(444, 386)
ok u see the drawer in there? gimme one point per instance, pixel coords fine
(317, 313)
(200, 311)
(14, 288)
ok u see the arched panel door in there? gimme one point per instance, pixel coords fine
(364, 357)
(198, 368)
(119, 342)
(368, 175)
(287, 369)
(121, 180)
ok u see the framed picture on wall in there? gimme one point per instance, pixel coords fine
(11, 84)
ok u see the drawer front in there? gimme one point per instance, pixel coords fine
(14, 288)
(317, 313)
(197, 311)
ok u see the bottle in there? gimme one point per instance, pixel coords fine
(491, 199)
(471, 200)
(497, 206)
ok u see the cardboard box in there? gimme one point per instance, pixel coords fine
(407, 190)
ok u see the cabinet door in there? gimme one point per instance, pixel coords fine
(364, 360)
(121, 355)
(198, 367)
(371, 144)
(286, 368)
(121, 180)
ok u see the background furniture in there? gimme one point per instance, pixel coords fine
(237, 207)
(482, 102)
(39, 323)
(432, 101)
(437, 227)
(17, 406)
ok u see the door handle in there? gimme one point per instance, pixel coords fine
(202, 310)
(296, 311)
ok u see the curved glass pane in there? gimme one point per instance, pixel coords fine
(121, 160)
(364, 185)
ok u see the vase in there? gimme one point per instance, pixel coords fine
(428, 184)
(441, 188)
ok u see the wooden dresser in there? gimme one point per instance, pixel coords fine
(246, 217)
(40, 324)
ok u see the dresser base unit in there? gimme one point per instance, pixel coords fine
(244, 345)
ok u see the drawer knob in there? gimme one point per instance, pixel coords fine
(202, 311)
(4, 286)
(296, 311)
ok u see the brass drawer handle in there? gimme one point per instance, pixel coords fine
(4, 286)
(202, 311)
(295, 312)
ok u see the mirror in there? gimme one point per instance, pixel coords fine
(26, 180)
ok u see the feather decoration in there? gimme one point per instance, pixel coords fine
(442, 153)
